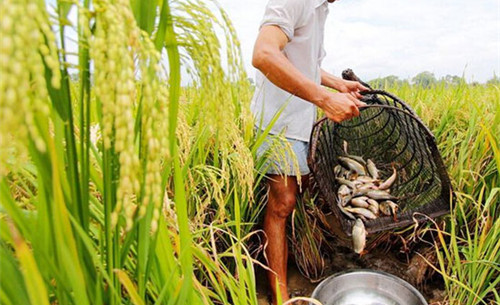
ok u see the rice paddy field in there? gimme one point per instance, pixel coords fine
(120, 186)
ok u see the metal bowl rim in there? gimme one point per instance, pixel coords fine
(376, 272)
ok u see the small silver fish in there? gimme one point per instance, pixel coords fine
(345, 173)
(353, 165)
(361, 211)
(366, 179)
(343, 210)
(343, 181)
(343, 191)
(388, 208)
(352, 176)
(385, 208)
(361, 191)
(360, 202)
(388, 183)
(366, 186)
(372, 169)
(394, 207)
(380, 195)
(357, 158)
(374, 209)
(372, 202)
(337, 170)
(373, 206)
(358, 236)
(344, 194)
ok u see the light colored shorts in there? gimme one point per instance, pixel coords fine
(300, 148)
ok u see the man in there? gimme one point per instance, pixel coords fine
(288, 53)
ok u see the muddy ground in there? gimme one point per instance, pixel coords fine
(342, 258)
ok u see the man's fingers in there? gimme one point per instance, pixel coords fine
(351, 97)
(362, 88)
(357, 94)
(354, 110)
(355, 100)
(360, 104)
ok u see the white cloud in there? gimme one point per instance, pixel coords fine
(384, 37)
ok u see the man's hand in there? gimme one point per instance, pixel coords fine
(342, 85)
(352, 87)
(340, 106)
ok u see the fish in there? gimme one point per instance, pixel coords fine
(352, 176)
(372, 169)
(358, 236)
(380, 195)
(357, 158)
(370, 186)
(388, 183)
(346, 182)
(366, 179)
(384, 208)
(374, 209)
(360, 202)
(388, 208)
(343, 210)
(337, 170)
(345, 200)
(344, 194)
(345, 146)
(393, 206)
(361, 211)
(372, 202)
(353, 165)
(361, 191)
(373, 206)
(344, 190)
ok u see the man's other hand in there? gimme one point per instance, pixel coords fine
(340, 106)
(352, 87)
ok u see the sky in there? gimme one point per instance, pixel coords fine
(377, 38)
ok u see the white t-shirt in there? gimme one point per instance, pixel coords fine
(303, 21)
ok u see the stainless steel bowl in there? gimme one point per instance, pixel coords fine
(366, 287)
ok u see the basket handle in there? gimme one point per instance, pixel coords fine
(376, 106)
(348, 74)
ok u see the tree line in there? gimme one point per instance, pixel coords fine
(426, 79)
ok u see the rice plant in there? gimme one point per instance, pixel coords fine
(117, 185)
(466, 123)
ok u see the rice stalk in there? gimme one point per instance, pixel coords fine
(308, 240)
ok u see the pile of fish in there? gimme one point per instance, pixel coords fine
(362, 194)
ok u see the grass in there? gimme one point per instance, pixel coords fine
(466, 123)
(117, 185)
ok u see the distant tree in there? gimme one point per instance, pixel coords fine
(452, 80)
(388, 81)
(424, 79)
(495, 80)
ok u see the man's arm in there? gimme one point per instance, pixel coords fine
(268, 58)
(341, 85)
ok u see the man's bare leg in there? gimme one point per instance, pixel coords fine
(281, 202)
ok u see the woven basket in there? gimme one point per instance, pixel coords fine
(389, 132)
